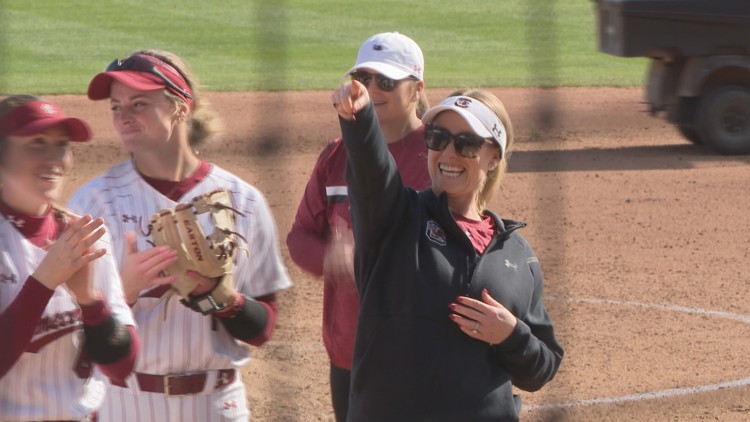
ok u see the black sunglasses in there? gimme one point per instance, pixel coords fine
(384, 83)
(142, 64)
(466, 144)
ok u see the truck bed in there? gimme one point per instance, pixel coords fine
(672, 28)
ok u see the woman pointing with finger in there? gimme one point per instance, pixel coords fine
(391, 66)
(452, 315)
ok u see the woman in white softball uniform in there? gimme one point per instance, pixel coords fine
(61, 301)
(190, 360)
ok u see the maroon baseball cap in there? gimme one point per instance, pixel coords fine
(142, 72)
(37, 116)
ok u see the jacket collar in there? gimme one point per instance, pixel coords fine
(438, 208)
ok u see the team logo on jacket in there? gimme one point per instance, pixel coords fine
(435, 233)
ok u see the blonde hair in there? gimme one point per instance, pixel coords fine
(423, 104)
(204, 123)
(494, 176)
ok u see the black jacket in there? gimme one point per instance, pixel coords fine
(411, 362)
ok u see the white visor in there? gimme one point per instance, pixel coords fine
(480, 118)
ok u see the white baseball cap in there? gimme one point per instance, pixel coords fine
(391, 54)
(482, 120)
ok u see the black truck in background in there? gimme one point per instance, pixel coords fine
(699, 73)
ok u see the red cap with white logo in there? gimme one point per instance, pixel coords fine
(38, 116)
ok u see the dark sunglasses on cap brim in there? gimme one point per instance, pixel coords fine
(384, 83)
(467, 145)
(139, 63)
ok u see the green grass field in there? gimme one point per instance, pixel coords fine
(56, 46)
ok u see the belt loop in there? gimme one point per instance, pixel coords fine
(165, 381)
(224, 377)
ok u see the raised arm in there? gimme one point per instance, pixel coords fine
(349, 99)
(373, 180)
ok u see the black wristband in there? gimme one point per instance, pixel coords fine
(204, 304)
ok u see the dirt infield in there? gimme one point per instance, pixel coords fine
(643, 238)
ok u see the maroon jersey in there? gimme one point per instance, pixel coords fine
(324, 205)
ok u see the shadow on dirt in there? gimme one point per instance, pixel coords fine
(661, 157)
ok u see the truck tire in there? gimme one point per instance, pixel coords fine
(686, 124)
(690, 133)
(724, 120)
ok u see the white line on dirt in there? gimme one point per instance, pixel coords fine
(672, 392)
(666, 307)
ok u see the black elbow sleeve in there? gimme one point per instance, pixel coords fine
(107, 342)
(249, 323)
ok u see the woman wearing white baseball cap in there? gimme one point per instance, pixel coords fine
(452, 314)
(394, 64)
(391, 66)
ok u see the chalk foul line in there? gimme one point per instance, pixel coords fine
(668, 393)
(672, 392)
